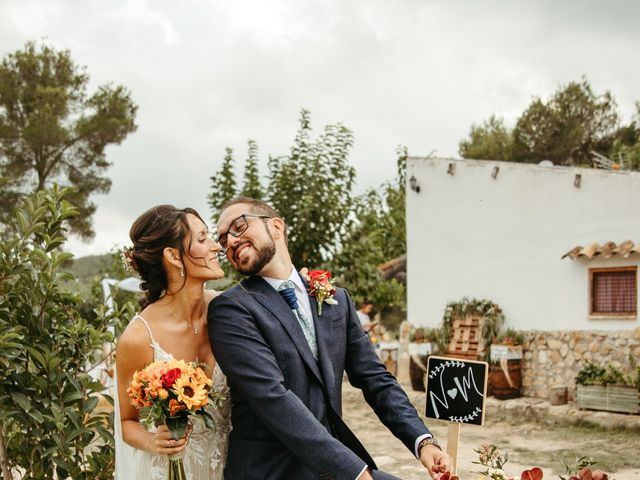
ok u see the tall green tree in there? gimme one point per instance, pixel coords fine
(311, 188)
(377, 234)
(53, 130)
(566, 128)
(252, 187)
(223, 185)
(490, 140)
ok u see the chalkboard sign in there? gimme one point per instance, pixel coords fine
(456, 390)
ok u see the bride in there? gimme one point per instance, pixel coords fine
(174, 255)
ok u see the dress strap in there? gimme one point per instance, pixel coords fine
(153, 340)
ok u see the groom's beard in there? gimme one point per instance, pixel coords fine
(265, 254)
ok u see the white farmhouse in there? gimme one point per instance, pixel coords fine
(500, 230)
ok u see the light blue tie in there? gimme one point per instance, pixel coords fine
(287, 291)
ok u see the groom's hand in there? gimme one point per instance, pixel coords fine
(435, 461)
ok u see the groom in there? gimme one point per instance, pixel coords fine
(284, 364)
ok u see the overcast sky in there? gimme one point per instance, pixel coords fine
(207, 74)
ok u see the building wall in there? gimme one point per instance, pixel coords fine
(471, 235)
(553, 358)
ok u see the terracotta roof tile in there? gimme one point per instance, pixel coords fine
(607, 250)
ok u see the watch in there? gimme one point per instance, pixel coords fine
(428, 441)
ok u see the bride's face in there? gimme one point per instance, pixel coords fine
(201, 261)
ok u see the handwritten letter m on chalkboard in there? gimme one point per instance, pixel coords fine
(456, 390)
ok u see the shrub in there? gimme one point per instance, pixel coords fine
(49, 424)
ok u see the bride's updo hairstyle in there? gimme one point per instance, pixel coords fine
(160, 227)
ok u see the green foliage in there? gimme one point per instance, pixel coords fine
(564, 129)
(489, 141)
(377, 234)
(626, 144)
(311, 188)
(509, 337)
(491, 312)
(252, 187)
(567, 127)
(592, 374)
(223, 185)
(576, 467)
(52, 130)
(48, 402)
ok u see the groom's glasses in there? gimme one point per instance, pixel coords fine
(237, 228)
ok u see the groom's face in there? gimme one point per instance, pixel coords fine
(254, 248)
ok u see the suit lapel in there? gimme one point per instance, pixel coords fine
(272, 301)
(323, 338)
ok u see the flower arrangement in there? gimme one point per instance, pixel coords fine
(320, 286)
(168, 393)
(490, 457)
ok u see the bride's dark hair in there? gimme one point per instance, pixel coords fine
(158, 228)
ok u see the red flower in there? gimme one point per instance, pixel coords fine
(169, 378)
(533, 474)
(320, 287)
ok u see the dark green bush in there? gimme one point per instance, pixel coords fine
(49, 424)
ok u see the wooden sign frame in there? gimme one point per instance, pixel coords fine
(456, 421)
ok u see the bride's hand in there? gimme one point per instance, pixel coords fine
(164, 444)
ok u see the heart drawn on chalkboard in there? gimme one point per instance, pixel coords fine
(452, 393)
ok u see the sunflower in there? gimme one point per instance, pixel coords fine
(190, 392)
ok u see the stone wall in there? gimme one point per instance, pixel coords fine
(553, 358)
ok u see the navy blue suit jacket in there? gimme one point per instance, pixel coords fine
(286, 406)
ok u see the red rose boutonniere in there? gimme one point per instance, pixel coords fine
(320, 286)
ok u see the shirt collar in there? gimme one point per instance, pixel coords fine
(294, 277)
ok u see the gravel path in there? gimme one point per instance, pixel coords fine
(525, 442)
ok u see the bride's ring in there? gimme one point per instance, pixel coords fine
(168, 443)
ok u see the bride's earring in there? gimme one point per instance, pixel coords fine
(181, 271)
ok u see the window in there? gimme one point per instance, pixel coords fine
(613, 292)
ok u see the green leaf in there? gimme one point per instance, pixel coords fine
(22, 400)
(177, 426)
(90, 404)
(208, 419)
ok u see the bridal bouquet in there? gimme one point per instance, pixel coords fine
(168, 393)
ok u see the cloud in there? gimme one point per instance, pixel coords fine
(211, 74)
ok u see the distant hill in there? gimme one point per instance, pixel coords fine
(86, 268)
(89, 270)
(86, 272)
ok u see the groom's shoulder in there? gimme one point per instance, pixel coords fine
(240, 291)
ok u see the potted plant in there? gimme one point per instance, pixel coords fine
(505, 373)
(607, 388)
(423, 342)
(468, 326)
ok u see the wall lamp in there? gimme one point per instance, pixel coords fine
(451, 169)
(494, 172)
(413, 184)
(577, 180)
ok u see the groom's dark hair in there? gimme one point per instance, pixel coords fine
(256, 206)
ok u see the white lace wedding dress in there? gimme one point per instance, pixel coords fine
(206, 451)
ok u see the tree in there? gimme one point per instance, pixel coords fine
(377, 234)
(311, 188)
(626, 144)
(566, 128)
(489, 141)
(223, 185)
(52, 130)
(48, 401)
(252, 187)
